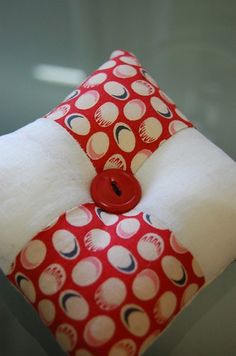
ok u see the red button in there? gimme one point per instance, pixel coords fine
(115, 191)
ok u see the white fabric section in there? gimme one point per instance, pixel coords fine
(43, 171)
(190, 184)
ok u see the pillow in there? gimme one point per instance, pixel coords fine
(106, 270)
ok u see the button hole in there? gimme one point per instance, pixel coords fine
(115, 187)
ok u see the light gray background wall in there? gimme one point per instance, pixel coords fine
(189, 47)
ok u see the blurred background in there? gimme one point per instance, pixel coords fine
(189, 47)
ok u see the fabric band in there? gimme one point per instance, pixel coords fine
(119, 115)
(106, 283)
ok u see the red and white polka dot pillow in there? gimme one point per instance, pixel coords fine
(109, 283)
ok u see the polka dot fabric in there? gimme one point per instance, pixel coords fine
(119, 115)
(106, 284)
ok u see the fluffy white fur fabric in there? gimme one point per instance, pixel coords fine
(43, 171)
(189, 183)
